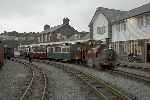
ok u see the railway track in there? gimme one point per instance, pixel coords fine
(138, 77)
(36, 87)
(141, 78)
(147, 69)
(103, 90)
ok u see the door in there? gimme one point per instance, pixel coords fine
(148, 53)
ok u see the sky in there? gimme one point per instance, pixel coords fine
(32, 15)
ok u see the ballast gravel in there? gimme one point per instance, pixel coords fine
(11, 76)
(62, 86)
(135, 90)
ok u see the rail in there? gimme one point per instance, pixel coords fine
(25, 95)
(101, 88)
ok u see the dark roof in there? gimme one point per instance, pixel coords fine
(110, 14)
(52, 29)
(134, 12)
(116, 15)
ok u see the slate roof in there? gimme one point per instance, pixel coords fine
(52, 29)
(134, 12)
(110, 14)
(116, 15)
(140, 10)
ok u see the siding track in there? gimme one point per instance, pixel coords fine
(36, 87)
(103, 90)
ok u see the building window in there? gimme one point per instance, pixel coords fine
(49, 37)
(101, 30)
(121, 27)
(118, 27)
(58, 36)
(39, 39)
(42, 38)
(140, 21)
(147, 19)
(45, 38)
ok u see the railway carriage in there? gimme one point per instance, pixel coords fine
(79, 50)
(59, 52)
(76, 52)
(39, 52)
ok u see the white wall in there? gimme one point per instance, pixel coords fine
(133, 31)
(100, 21)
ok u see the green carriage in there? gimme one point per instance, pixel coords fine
(59, 52)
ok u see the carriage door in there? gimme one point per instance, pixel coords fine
(148, 53)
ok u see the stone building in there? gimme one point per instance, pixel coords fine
(57, 33)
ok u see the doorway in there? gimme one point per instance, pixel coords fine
(148, 53)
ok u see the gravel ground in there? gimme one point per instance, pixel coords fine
(138, 91)
(61, 86)
(11, 76)
(135, 71)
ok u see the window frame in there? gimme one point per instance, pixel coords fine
(140, 21)
(147, 20)
(101, 30)
(59, 50)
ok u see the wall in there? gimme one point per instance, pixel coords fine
(133, 31)
(100, 21)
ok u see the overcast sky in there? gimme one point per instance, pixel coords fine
(32, 15)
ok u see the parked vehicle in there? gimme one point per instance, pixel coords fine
(59, 52)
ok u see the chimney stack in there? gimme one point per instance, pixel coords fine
(66, 21)
(46, 27)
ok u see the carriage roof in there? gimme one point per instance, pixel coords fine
(54, 43)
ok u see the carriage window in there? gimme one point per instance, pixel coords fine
(64, 50)
(39, 49)
(51, 50)
(68, 50)
(57, 49)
